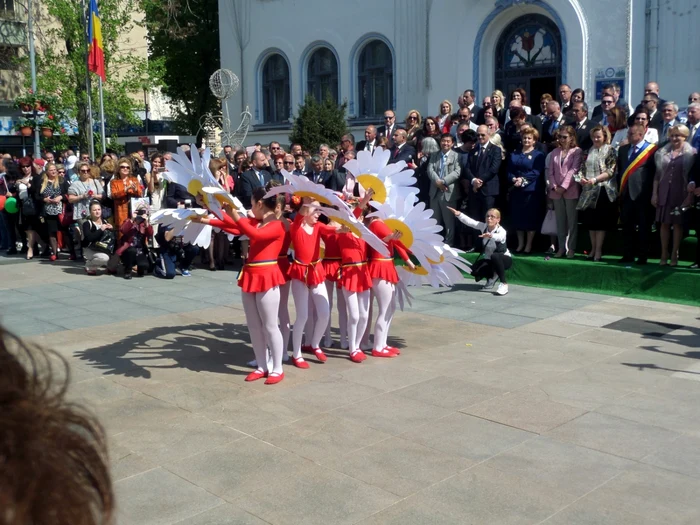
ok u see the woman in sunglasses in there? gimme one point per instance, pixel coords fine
(121, 189)
(80, 194)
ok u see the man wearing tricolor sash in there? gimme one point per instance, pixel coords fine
(635, 177)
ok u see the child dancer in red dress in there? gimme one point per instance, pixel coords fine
(260, 281)
(308, 280)
(331, 267)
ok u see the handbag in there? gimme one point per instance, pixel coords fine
(28, 207)
(549, 225)
(65, 218)
(106, 243)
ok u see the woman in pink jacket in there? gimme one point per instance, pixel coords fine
(560, 167)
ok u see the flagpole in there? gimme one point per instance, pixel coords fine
(88, 88)
(32, 61)
(102, 118)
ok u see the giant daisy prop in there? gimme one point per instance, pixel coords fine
(386, 180)
(180, 220)
(194, 175)
(344, 216)
(419, 229)
(445, 271)
(302, 187)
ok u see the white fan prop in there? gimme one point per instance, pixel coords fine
(388, 181)
(302, 187)
(345, 217)
(180, 220)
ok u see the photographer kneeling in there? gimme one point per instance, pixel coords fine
(133, 245)
(171, 253)
(98, 240)
(496, 257)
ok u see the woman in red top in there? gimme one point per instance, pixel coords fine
(260, 280)
(384, 279)
(331, 268)
(308, 280)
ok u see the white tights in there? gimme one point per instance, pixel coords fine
(284, 318)
(301, 293)
(261, 312)
(342, 314)
(357, 304)
(385, 292)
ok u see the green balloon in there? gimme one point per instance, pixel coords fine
(11, 205)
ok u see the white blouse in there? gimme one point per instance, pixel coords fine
(498, 235)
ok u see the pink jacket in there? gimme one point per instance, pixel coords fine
(562, 174)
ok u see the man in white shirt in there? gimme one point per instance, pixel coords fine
(464, 116)
(370, 141)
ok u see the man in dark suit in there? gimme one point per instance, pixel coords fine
(469, 102)
(656, 119)
(255, 177)
(370, 141)
(328, 179)
(401, 150)
(635, 176)
(582, 125)
(482, 174)
(387, 130)
(669, 114)
(555, 119)
(613, 90)
(565, 99)
(176, 196)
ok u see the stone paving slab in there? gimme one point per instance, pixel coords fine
(515, 409)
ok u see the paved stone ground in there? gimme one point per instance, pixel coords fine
(516, 409)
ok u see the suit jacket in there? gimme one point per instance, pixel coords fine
(452, 172)
(598, 110)
(250, 181)
(406, 154)
(485, 165)
(547, 134)
(278, 177)
(476, 112)
(328, 179)
(694, 139)
(383, 132)
(640, 183)
(663, 135)
(176, 194)
(657, 122)
(363, 144)
(583, 134)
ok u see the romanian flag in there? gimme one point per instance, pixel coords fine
(96, 55)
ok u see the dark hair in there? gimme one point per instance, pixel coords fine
(425, 125)
(447, 135)
(617, 118)
(93, 202)
(517, 113)
(642, 110)
(468, 135)
(260, 192)
(577, 91)
(569, 130)
(653, 96)
(54, 453)
(523, 95)
(584, 106)
(25, 162)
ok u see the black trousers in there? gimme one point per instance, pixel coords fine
(500, 263)
(11, 222)
(636, 226)
(130, 259)
(478, 205)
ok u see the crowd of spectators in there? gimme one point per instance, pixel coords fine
(549, 168)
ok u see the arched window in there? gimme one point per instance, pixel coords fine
(275, 86)
(375, 75)
(322, 75)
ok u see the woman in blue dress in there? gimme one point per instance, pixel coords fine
(526, 174)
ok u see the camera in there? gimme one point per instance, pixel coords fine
(141, 212)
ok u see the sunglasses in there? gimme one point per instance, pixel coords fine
(482, 135)
(607, 102)
(84, 171)
(124, 167)
(388, 118)
(289, 163)
(412, 118)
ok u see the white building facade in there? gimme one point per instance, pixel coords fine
(412, 54)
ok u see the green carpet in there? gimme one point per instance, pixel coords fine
(653, 282)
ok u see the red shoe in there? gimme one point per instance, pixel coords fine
(307, 349)
(52, 258)
(91, 272)
(383, 353)
(320, 355)
(357, 356)
(299, 362)
(254, 376)
(393, 349)
(274, 378)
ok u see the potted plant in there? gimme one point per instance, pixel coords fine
(25, 126)
(49, 125)
(25, 102)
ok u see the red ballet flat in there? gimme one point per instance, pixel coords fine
(320, 355)
(254, 376)
(357, 356)
(385, 353)
(393, 349)
(274, 378)
(299, 362)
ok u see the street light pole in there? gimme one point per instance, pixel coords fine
(32, 62)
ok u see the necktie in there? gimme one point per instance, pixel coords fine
(261, 178)
(665, 131)
(396, 153)
(317, 177)
(442, 167)
(633, 152)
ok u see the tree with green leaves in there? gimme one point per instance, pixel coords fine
(319, 123)
(183, 37)
(61, 61)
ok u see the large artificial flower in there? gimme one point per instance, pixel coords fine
(302, 187)
(386, 180)
(180, 220)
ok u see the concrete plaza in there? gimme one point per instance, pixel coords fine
(542, 406)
